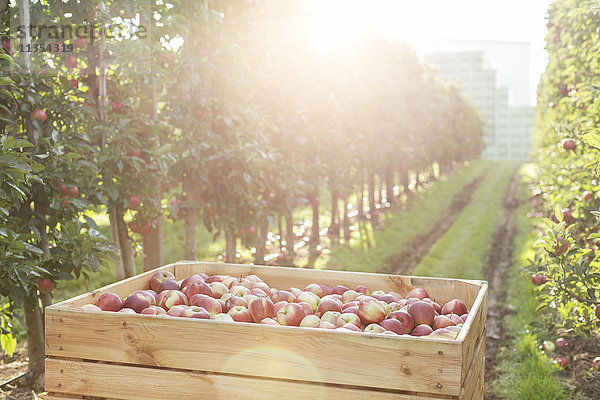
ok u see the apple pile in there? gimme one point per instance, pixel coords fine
(251, 300)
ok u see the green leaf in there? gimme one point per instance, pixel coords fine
(592, 139)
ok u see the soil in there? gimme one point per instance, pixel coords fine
(499, 263)
(11, 367)
(407, 261)
(579, 373)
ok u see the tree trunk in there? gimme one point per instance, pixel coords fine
(404, 181)
(125, 244)
(360, 203)
(289, 236)
(190, 218)
(314, 230)
(380, 190)
(389, 186)
(417, 179)
(371, 190)
(261, 235)
(230, 245)
(334, 228)
(114, 234)
(153, 242)
(346, 222)
(35, 337)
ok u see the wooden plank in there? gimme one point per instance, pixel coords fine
(426, 365)
(122, 288)
(142, 383)
(473, 386)
(473, 332)
(442, 290)
(64, 396)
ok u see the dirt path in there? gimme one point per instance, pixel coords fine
(497, 273)
(407, 261)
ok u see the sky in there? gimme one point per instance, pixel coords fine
(416, 20)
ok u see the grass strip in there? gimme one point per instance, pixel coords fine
(462, 251)
(402, 226)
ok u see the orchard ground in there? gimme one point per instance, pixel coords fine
(474, 224)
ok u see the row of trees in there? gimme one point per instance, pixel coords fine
(567, 144)
(220, 110)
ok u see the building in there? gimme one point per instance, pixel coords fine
(507, 128)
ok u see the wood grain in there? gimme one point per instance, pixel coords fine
(142, 383)
(393, 362)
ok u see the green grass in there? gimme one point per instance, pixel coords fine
(404, 225)
(462, 251)
(525, 372)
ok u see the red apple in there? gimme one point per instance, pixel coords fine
(362, 289)
(167, 284)
(38, 114)
(153, 310)
(377, 294)
(328, 305)
(310, 298)
(278, 306)
(327, 290)
(405, 318)
(395, 326)
(71, 61)
(291, 314)
(370, 310)
(374, 328)
(137, 301)
(422, 330)
(176, 311)
(349, 295)
(239, 291)
(283, 295)
(254, 279)
(454, 307)
(351, 327)
(262, 286)
(240, 314)
(561, 361)
(158, 277)
(73, 83)
(561, 342)
(568, 144)
(222, 317)
(295, 291)
(218, 278)
(562, 245)
(418, 293)
(314, 288)
(218, 289)
(250, 298)
(441, 321)
(260, 309)
(444, 333)
(235, 301)
(310, 321)
(211, 305)
(241, 282)
(269, 321)
(350, 304)
(169, 298)
(92, 307)
(258, 292)
(331, 316)
(80, 42)
(307, 307)
(109, 302)
(348, 318)
(339, 289)
(197, 288)
(127, 311)
(536, 279)
(388, 298)
(422, 312)
(597, 311)
(325, 325)
(45, 285)
(195, 312)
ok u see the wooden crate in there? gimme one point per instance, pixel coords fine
(121, 356)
